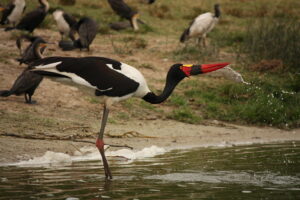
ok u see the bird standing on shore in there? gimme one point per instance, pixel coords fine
(34, 51)
(87, 29)
(32, 19)
(115, 81)
(124, 11)
(202, 25)
(27, 81)
(65, 23)
(12, 13)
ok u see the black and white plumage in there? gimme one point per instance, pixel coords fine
(124, 11)
(12, 13)
(34, 51)
(27, 81)
(114, 80)
(202, 25)
(65, 23)
(33, 19)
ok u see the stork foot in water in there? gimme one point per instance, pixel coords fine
(100, 146)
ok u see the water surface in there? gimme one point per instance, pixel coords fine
(265, 171)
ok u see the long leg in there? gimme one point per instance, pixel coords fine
(28, 99)
(100, 142)
(204, 41)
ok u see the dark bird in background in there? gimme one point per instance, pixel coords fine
(25, 84)
(151, 1)
(12, 13)
(124, 11)
(32, 19)
(65, 23)
(87, 29)
(202, 25)
(34, 51)
(27, 81)
(115, 81)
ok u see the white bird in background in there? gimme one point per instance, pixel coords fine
(202, 25)
(12, 13)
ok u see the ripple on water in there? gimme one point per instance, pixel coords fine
(257, 179)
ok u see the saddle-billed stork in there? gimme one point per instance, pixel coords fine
(32, 19)
(202, 25)
(114, 80)
(12, 13)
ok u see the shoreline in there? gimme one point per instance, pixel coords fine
(140, 134)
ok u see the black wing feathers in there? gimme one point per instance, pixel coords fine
(122, 9)
(69, 19)
(6, 12)
(95, 71)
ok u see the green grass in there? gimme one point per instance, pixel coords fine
(274, 39)
(263, 103)
(185, 114)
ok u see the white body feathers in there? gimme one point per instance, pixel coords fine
(17, 12)
(62, 25)
(203, 24)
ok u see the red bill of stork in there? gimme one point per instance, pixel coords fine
(201, 26)
(115, 81)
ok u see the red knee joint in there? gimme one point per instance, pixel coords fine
(100, 143)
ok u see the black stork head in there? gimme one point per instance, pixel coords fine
(217, 10)
(176, 74)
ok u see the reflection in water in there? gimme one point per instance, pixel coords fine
(245, 172)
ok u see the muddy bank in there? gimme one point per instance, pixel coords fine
(145, 133)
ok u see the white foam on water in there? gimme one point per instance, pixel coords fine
(88, 153)
(47, 158)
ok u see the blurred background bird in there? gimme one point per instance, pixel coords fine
(32, 19)
(33, 51)
(87, 29)
(65, 23)
(12, 12)
(202, 25)
(124, 11)
(27, 81)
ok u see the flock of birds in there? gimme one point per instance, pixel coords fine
(105, 77)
